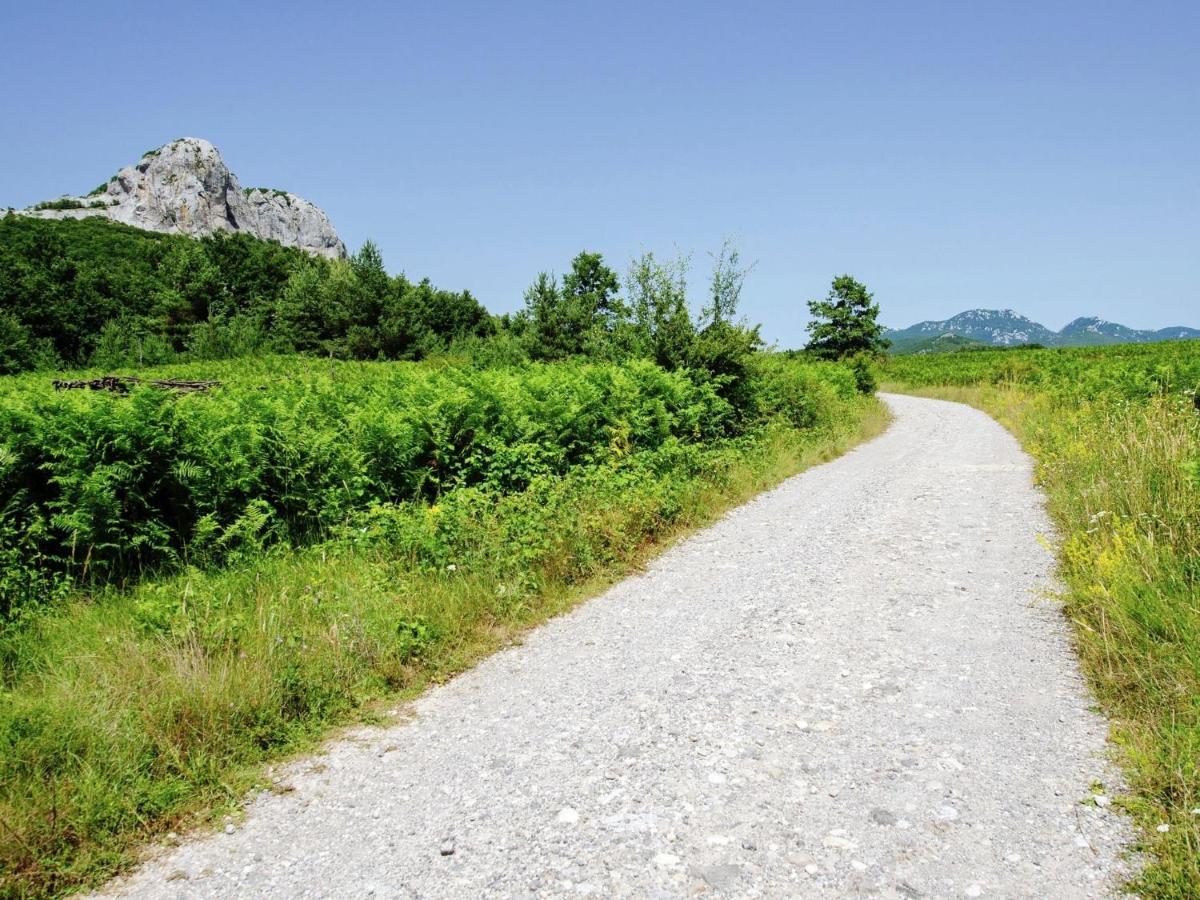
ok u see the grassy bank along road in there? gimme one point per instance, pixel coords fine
(136, 702)
(854, 684)
(1114, 432)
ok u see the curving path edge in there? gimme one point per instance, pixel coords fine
(853, 685)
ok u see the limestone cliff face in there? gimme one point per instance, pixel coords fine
(184, 187)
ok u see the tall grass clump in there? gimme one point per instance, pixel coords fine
(211, 582)
(1115, 433)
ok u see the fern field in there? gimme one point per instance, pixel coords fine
(97, 488)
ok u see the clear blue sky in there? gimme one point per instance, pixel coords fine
(1039, 155)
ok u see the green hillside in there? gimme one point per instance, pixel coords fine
(942, 343)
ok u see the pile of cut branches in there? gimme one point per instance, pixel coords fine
(120, 384)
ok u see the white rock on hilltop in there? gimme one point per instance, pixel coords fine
(184, 187)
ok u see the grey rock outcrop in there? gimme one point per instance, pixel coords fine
(184, 187)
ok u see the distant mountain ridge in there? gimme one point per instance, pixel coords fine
(1008, 328)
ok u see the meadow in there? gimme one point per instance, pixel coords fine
(196, 585)
(1115, 434)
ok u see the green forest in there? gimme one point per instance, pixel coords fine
(89, 292)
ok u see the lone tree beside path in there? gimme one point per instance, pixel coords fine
(844, 323)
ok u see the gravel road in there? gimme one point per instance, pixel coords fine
(851, 686)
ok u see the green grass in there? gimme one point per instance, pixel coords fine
(129, 711)
(1115, 433)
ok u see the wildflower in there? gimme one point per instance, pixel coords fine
(452, 568)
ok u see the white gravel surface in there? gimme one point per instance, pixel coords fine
(851, 686)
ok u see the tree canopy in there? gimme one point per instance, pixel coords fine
(844, 323)
(95, 292)
(92, 292)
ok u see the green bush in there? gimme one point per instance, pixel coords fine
(863, 367)
(102, 488)
(61, 203)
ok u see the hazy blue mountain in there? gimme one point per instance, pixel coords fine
(1088, 330)
(1008, 328)
(1176, 333)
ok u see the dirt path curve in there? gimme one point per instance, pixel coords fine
(848, 687)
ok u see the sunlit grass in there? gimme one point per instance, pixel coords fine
(1122, 485)
(132, 713)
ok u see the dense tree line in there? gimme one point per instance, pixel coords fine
(584, 314)
(94, 292)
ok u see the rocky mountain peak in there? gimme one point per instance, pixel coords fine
(1002, 327)
(184, 187)
(1008, 328)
